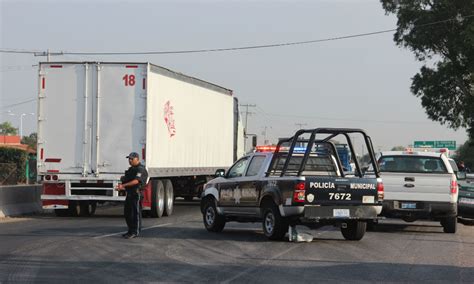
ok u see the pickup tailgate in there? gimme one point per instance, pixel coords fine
(341, 191)
(346, 198)
(417, 187)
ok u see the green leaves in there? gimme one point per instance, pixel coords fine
(6, 128)
(441, 31)
(13, 165)
(30, 140)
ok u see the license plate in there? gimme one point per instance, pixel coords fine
(341, 213)
(466, 200)
(408, 205)
(368, 199)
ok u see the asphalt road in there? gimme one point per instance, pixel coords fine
(45, 248)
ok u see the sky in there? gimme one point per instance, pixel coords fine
(359, 82)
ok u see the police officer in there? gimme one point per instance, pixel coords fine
(133, 182)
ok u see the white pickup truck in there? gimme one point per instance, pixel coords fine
(420, 185)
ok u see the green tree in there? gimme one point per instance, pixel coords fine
(441, 34)
(12, 167)
(7, 128)
(30, 140)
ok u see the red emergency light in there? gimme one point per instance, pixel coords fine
(265, 148)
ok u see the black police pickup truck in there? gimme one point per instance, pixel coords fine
(301, 182)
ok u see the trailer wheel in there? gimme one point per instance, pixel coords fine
(73, 208)
(212, 220)
(169, 197)
(450, 224)
(354, 230)
(157, 199)
(87, 208)
(62, 212)
(274, 225)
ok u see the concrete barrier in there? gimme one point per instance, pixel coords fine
(19, 199)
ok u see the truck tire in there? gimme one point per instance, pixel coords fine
(274, 225)
(169, 197)
(157, 199)
(409, 219)
(354, 230)
(87, 208)
(62, 212)
(73, 208)
(212, 220)
(450, 224)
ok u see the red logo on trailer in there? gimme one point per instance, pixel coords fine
(169, 118)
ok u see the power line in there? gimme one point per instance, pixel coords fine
(17, 104)
(17, 68)
(235, 48)
(20, 51)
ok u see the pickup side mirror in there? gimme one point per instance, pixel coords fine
(461, 175)
(220, 173)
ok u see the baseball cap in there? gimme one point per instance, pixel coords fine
(132, 155)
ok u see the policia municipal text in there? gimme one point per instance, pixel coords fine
(133, 181)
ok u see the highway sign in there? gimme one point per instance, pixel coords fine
(451, 145)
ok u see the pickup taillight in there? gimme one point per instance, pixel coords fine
(380, 190)
(299, 192)
(454, 187)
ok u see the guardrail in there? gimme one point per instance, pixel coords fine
(19, 199)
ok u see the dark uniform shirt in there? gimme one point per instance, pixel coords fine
(139, 173)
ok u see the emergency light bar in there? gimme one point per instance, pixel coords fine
(271, 148)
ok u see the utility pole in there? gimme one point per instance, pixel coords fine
(247, 112)
(300, 125)
(264, 133)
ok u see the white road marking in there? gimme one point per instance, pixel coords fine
(266, 261)
(123, 232)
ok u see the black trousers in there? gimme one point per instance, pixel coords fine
(133, 212)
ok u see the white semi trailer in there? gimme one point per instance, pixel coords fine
(92, 114)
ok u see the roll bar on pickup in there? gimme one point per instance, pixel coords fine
(331, 133)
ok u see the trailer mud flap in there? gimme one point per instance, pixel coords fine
(146, 201)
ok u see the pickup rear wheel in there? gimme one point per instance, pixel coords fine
(274, 225)
(450, 225)
(212, 220)
(353, 230)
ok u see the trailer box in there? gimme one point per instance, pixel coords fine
(92, 114)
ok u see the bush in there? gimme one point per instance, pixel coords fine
(13, 162)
